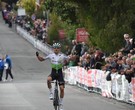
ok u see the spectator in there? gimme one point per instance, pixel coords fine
(44, 35)
(120, 55)
(81, 62)
(8, 62)
(132, 51)
(84, 48)
(73, 51)
(1, 67)
(68, 50)
(112, 72)
(96, 60)
(8, 7)
(127, 44)
(128, 70)
(9, 20)
(6, 16)
(120, 66)
(86, 65)
(78, 48)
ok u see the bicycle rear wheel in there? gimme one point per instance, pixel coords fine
(56, 100)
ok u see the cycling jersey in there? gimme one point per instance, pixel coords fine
(57, 60)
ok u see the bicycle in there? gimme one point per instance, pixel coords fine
(56, 95)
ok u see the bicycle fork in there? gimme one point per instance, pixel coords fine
(56, 97)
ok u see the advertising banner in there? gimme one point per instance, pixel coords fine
(89, 78)
(99, 78)
(133, 89)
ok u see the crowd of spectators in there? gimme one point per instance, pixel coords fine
(121, 62)
(7, 15)
(36, 27)
(84, 56)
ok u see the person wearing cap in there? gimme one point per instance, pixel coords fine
(57, 61)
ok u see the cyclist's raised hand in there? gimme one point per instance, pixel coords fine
(37, 54)
(40, 58)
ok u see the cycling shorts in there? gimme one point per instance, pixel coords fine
(57, 75)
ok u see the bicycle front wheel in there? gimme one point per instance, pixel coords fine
(56, 100)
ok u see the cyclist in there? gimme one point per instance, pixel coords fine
(57, 60)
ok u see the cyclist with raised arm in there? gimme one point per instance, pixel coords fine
(57, 60)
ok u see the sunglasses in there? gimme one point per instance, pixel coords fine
(56, 47)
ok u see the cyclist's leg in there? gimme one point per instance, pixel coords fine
(61, 94)
(61, 97)
(62, 91)
(49, 79)
(62, 86)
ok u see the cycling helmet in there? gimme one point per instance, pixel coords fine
(56, 45)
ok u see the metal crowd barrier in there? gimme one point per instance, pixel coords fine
(95, 81)
(35, 42)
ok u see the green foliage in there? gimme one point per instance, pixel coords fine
(53, 29)
(48, 5)
(29, 6)
(66, 13)
(39, 12)
(70, 30)
(65, 10)
(116, 22)
(15, 7)
(107, 21)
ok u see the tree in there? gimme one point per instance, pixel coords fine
(29, 5)
(107, 21)
(65, 10)
(54, 28)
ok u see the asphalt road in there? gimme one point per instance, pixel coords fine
(28, 90)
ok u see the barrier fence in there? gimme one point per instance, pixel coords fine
(92, 80)
(36, 43)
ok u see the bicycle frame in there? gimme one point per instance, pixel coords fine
(56, 96)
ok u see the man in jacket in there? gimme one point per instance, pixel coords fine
(9, 67)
